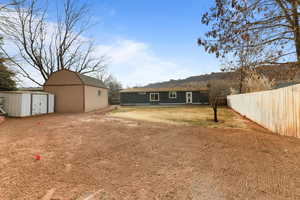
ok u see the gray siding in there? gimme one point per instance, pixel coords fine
(136, 98)
(200, 97)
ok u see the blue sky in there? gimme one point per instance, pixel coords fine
(149, 41)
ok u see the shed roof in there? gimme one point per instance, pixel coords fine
(31, 89)
(87, 80)
(163, 89)
(62, 78)
(24, 92)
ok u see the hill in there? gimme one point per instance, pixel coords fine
(283, 73)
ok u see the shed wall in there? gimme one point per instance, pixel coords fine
(12, 103)
(67, 98)
(92, 100)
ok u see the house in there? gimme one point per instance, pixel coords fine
(163, 96)
(75, 92)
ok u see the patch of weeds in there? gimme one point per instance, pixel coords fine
(198, 122)
(119, 111)
(232, 126)
(265, 151)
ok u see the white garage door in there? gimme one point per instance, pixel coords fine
(39, 104)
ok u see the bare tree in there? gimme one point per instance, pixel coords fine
(246, 60)
(113, 85)
(272, 25)
(12, 3)
(255, 82)
(217, 92)
(45, 46)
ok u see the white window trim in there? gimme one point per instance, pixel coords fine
(153, 93)
(170, 92)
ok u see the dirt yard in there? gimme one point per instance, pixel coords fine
(97, 156)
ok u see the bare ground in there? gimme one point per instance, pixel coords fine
(96, 156)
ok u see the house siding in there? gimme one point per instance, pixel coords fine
(143, 98)
(200, 97)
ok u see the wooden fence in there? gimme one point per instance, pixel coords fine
(277, 110)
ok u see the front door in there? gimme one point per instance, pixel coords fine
(189, 97)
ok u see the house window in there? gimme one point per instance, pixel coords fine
(99, 92)
(154, 96)
(172, 95)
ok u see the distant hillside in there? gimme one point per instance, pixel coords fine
(280, 73)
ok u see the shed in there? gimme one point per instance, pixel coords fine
(164, 96)
(26, 103)
(75, 92)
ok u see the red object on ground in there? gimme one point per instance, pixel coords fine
(37, 157)
(2, 119)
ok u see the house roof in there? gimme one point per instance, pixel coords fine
(87, 80)
(282, 85)
(163, 89)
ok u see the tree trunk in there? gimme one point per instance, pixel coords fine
(242, 77)
(241, 81)
(215, 114)
(296, 28)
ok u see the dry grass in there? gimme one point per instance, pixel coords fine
(184, 115)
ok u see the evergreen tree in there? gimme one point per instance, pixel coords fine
(7, 81)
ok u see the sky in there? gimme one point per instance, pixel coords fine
(150, 41)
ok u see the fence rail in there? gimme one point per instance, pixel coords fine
(277, 110)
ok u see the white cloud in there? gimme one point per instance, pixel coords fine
(134, 63)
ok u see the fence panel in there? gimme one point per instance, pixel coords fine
(277, 110)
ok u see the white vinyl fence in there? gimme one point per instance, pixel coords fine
(277, 110)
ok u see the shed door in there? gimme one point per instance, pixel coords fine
(39, 104)
(50, 103)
